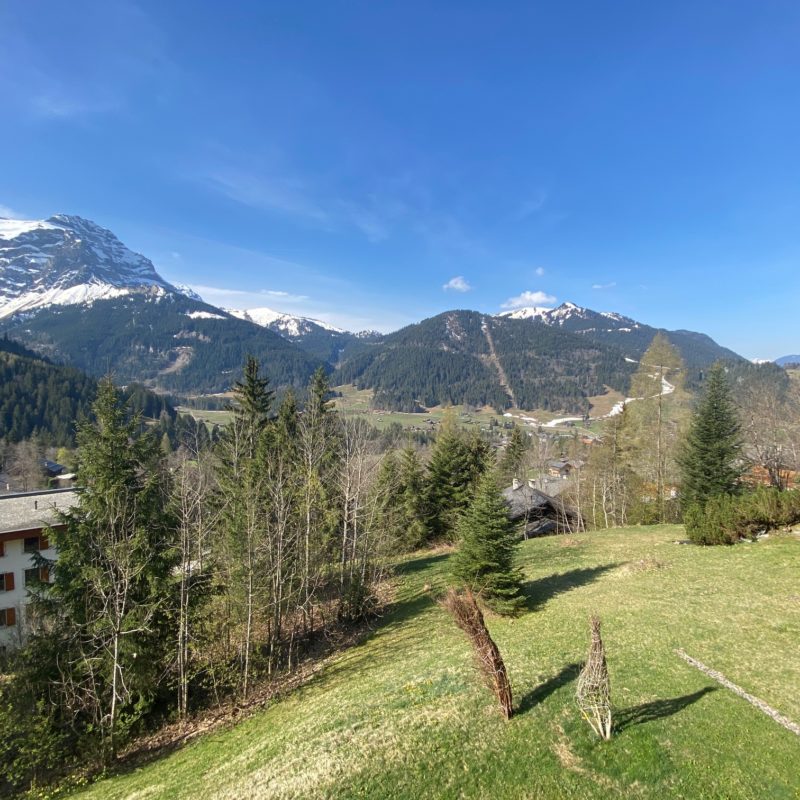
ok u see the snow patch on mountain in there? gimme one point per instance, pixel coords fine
(287, 325)
(187, 291)
(11, 228)
(574, 315)
(67, 260)
(204, 315)
(529, 312)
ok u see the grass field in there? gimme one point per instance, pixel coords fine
(402, 715)
(355, 401)
(211, 418)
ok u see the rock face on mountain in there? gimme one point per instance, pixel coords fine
(66, 260)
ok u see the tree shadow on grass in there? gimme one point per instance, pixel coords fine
(538, 592)
(415, 565)
(538, 695)
(657, 709)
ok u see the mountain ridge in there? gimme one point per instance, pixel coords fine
(72, 289)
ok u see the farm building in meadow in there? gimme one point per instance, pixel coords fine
(23, 520)
(539, 513)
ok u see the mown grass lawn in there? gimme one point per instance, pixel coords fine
(402, 715)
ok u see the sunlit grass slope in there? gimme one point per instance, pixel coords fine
(403, 716)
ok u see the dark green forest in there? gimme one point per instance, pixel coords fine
(43, 401)
(154, 341)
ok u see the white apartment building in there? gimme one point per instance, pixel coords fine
(23, 520)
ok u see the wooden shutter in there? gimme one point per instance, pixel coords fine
(44, 575)
(11, 617)
(9, 576)
(44, 544)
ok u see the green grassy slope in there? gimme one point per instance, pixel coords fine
(402, 715)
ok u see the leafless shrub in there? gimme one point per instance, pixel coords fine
(594, 686)
(466, 614)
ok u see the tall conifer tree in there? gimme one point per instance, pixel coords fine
(455, 466)
(110, 598)
(487, 540)
(710, 460)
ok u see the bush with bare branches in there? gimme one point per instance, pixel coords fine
(466, 614)
(594, 686)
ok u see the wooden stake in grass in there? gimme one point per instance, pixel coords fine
(594, 686)
(466, 614)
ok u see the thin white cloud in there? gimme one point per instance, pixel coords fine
(54, 84)
(9, 213)
(529, 299)
(219, 294)
(531, 206)
(457, 284)
(604, 285)
(285, 195)
(539, 271)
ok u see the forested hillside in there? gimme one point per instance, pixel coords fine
(467, 357)
(38, 398)
(171, 343)
(554, 360)
(43, 401)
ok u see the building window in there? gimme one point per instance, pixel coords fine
(6, 581)
(8, 617)
(32, 544)
(36, 575)
(2, 549)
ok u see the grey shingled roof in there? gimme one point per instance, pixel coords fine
(525, 499)
(20, 512)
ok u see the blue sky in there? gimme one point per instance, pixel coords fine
(349, 160)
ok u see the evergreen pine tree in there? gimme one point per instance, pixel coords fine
(484, 561)
(243, 448)
(709, 461)
(412, 482)
(512, 458)
(454, 467)
(110, 597)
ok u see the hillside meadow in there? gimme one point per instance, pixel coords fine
(403, 715)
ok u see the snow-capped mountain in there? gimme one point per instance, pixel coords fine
(287, 325)
(187, 291)
(529, 312)
(68, 260)
(575, 318)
